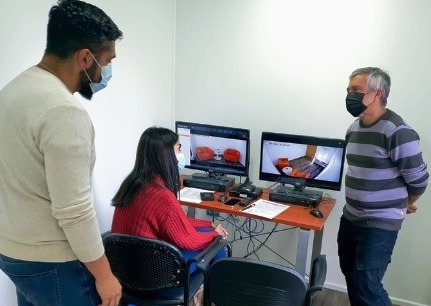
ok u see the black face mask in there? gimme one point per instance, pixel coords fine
(354, 103)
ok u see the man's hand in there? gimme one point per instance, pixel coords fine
(107, 286)
(411, 209)
(109, 290)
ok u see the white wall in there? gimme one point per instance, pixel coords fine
(268, 65)
(283, 66)
(140, 93)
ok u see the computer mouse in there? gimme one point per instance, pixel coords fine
(222, 198)
(316, 212)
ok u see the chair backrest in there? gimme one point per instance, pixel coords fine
(251, 282)
(143, 264)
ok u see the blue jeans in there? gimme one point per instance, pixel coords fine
(51, 284)
(365, 254)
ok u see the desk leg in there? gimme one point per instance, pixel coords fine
(317, 244)
(301, 251)
(191, 212)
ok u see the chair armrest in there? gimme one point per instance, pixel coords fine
(318, 274)
(203, 259)
(317, 278)
(206, 255)
(320, 280)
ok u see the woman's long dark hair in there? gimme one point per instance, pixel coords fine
(155, 157)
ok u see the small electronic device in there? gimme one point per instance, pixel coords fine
(207, 196)
(257, 191)
(232, 202)
(245, 201)
(246, 187)
(222, 198)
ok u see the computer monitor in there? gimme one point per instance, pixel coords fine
(302, 160)
(217, 150)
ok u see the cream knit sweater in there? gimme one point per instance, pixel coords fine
(46, 162)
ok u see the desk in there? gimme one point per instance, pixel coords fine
(295, 215)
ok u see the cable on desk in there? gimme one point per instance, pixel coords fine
(327, 199)
(270, 187)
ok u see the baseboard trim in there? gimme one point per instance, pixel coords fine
(335, 287)
(397, 301)
(402, 302)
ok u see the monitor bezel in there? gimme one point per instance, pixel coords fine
(303, 139)
(215, 171)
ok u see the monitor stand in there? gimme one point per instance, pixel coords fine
(296, 195)
(209, 181)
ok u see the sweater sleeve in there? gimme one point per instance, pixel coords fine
(405, 152)
(199, 223)
(66, 139)
(177, 228)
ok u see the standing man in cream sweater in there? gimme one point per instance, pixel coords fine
(50, 244)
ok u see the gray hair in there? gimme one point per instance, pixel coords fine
(377, 79)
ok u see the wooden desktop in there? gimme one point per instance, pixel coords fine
(295, 215)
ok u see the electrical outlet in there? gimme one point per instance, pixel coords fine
(213, 213)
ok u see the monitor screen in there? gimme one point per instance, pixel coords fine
(302, 160)
(217, 150)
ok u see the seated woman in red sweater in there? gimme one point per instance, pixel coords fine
(146, 204)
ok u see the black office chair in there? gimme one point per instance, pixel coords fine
(251, 282)
(317, 278)
(154, 272)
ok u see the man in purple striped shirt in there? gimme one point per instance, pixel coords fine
(386, 175)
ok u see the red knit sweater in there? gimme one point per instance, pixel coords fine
(156, 213)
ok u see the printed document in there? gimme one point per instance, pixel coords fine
(193, 195)
(266, 209)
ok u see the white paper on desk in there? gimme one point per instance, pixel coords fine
(266, 209)
(193, 195)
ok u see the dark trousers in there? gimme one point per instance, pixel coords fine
(364, 255)
(51, 284)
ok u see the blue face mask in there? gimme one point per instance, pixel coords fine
(181, 161)
(106, 76)
(106, 73)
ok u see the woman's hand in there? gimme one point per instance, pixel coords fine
(221, 231)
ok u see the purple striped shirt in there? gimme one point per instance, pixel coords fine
(385, 166)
